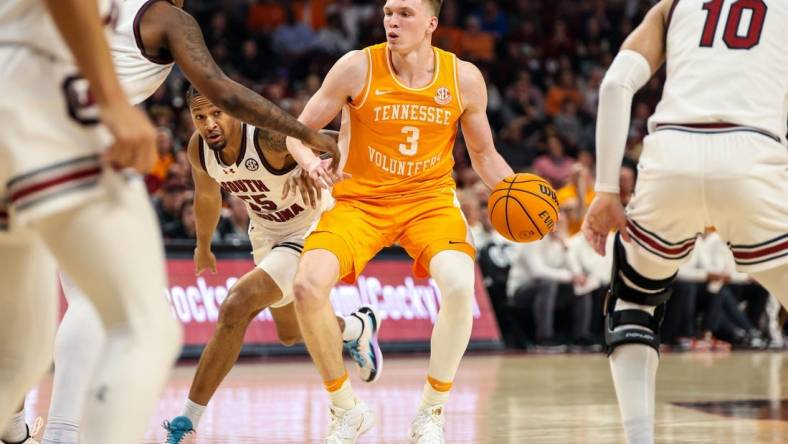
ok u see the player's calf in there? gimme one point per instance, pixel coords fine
(634, 309)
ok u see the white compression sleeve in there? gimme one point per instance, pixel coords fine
(627, 74)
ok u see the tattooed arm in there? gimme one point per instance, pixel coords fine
(276, 141)
(170, 29)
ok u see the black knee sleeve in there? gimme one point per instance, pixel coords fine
(642, 328)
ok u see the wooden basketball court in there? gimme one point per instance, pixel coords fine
(501, 399)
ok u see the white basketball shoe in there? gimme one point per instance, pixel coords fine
(346, 426)
(427, 427)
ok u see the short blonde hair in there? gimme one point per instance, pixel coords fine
(436, 6)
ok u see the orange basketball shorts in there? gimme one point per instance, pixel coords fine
(424, 225)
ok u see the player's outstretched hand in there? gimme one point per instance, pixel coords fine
(604, 214)
(327, 144)
(204, 260)
(299, 181)
(135, 138)
(320, 171)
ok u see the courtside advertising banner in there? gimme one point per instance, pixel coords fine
(408, 306)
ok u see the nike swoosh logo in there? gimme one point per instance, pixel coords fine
(380, 92)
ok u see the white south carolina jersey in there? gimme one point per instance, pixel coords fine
(727, 62)
(28, 23)
(140, 74)
(259, 185)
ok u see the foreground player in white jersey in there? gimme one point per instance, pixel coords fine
(716, 156)
(254, 165)
(150, 37)
(61, 198)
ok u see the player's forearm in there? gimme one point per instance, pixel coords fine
(303, 155)
(491, 167)
(248, 106)
(628, 73)
(80, 25)
(207, 212)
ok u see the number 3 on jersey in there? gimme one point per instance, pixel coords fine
(413, 141)
(732, 38)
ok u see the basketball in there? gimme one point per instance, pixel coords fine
(523, 207)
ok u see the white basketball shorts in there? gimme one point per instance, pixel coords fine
(735, 181)
(51, 139)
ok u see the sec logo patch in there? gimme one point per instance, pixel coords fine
(442, 96)
(251, 165)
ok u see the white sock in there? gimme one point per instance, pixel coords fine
(634, 369)
(353, 328)
(16, 430)
(61, 431)
(431, 397)
(343, 397)
(193, 411)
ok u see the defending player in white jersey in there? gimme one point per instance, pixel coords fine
(254, 165)
(716, 156)
(61, 198)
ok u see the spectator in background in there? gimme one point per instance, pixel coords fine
(523, 44)
(540, 276)
(577, 194)
(164, 158)
(250, 65)
(333, 39)
(353, 16)
(186, 228)
(565, 89)
(523, 98)
(493, 20)
(555, 165)
(590, 92)
(560, 42)
(168, 205)
(264, 16)
(518, 141)
(567, 125)
(472, 210)
(293, 38)
(477, 45)
(584, 261)
(236, 227)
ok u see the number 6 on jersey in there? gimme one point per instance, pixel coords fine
(413, 140)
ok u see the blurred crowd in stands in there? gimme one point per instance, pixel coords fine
(543, 62)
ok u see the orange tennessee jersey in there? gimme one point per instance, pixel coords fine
(399, 140)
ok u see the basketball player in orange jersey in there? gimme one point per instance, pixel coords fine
(715, 156)
(401, 103)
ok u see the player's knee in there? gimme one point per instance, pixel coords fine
(634, 306)
(310, 291)
(235, 311)
(454, 273)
